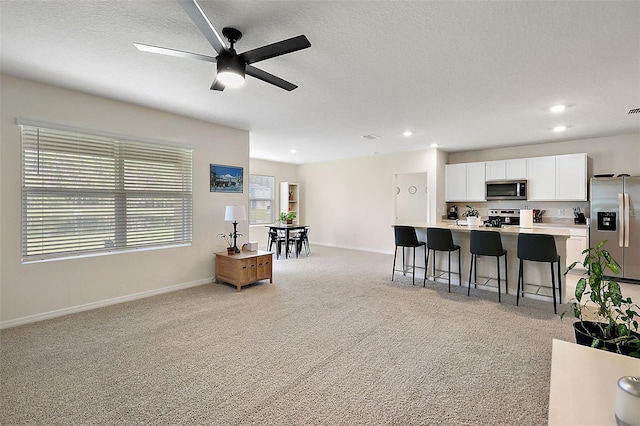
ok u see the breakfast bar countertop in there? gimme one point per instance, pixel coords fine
(557, 231)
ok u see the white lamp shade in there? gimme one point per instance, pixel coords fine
(235, 213)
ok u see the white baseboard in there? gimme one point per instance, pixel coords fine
(94, 305)
(371, 250)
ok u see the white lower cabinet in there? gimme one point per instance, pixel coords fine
(576, 243)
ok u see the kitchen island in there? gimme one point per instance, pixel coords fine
(537, 275)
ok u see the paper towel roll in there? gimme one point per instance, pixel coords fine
(526, 218)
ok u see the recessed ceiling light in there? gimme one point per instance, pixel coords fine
(557, 108)
(434, 145)
(293, 151)
(560, 128)
(407, 133)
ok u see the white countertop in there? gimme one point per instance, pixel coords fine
(558, 231)
(584, 383)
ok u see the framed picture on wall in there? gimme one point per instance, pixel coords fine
(225, 178)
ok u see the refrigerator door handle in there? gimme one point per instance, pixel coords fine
(621, 221)
(627, 208)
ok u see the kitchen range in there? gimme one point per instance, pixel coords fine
(498, 218)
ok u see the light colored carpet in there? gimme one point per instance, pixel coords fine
(332, 341)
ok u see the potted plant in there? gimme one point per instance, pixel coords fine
(231, 250)
(607, 320)
(473, 216)
(287, 217)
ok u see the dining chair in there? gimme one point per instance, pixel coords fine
(276, 237)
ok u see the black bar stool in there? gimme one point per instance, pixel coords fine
(539, 248)
(487, 243)
(406, 237)
(441, 240)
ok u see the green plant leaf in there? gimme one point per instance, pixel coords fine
(614, 293)
(580, 287)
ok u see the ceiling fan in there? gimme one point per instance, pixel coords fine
(231, 66)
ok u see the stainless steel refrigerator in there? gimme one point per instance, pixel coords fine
(615, 217)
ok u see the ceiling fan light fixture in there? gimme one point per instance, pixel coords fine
(230, 79)
(231, 70)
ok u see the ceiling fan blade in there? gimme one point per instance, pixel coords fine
(269, 78)
(173, 52)
(276, 49)
(204, 25)
(217, 85)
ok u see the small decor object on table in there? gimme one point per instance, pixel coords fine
(628, 401)
(231, 250)
(473, 216)
(615, 327)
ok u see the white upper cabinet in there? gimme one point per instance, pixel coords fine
(506, 169)
(558, 178)
(456, 182)
(517, 168)
(476, 181)
(551, 178)
(571, 177)
(465, 182)
(496, 170)
(542, 178)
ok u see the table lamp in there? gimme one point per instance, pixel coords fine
(234, 214)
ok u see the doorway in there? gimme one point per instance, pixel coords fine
(411, 195)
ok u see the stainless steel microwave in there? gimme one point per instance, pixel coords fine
(506, 190)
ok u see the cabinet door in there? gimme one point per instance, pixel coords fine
(571, 177)
(496, 170)
(475, 181)
(248, 271)
(516, 169)
(264, 267)
(576, 243)
(541, 173)
(456, 182)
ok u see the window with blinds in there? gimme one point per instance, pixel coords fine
(261, 199)
(84, 194)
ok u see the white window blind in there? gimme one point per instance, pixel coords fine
(85, 193)
(261, 199)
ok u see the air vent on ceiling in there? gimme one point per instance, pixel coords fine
(634, 111)
(371, 137)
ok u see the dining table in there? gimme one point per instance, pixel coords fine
(287, 228)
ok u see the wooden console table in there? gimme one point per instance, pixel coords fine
(244, 268)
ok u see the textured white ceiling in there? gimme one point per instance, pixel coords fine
(466, 75)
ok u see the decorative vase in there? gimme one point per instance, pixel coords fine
(474, 221)
(231, 251)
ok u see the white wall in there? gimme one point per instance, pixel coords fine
(39, 290)
(349, 203)
(282, 172)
